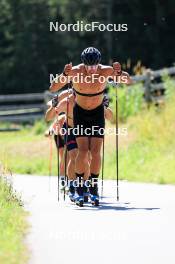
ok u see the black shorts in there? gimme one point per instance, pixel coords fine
(70, 138)
(89, 123)
(59, 141)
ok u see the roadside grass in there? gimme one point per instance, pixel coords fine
(151, 157)
(25, 152)
(13, 225)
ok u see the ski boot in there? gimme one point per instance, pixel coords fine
(85, 194)
(79, 197)
(93, 190)
(71, 192)
(94, 199)
(79, 200)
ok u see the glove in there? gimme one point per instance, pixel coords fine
(55, 101)
(106, 100)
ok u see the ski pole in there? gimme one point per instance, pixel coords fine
(117, 171)
(58, 167)
(65, 156)
(102, 175)
(50, 159)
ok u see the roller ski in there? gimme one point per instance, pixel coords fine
(93, 192)
(79, 196)
(71, 197)
(94, 200)
(71, 192)
(79, 200)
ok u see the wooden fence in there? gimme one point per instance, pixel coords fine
(22, 107)
(154, 92)
(30, 107)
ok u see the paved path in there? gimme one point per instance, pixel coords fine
(140, 229)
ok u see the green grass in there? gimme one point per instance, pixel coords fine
(150, 156)
(13, 226)
(130, 100)
(26, 152)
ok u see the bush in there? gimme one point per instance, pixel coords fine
(130, 100)
(39, 127)
(169, 85)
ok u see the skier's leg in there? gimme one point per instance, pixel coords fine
(95, 148)
(71, 173)
(80, 165)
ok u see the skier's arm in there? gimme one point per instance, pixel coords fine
(62, 79)
(58, 98)
(50, 114)
(117, 74)
(61, 107)
(125, 78)
(53, 111)
(58, 123)
(108, 113)
(58, 83)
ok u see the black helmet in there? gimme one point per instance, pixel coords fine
(91, 56)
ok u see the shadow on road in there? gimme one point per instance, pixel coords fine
(114, 206)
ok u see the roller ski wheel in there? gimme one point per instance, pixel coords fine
(71, 197)
(79, 201)
(94, 200)
(79, 197)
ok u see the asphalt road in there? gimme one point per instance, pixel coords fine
(139, 229)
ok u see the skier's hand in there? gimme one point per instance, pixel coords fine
(106, 101)
(67, 69)
(117, 69)
(55, 101)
